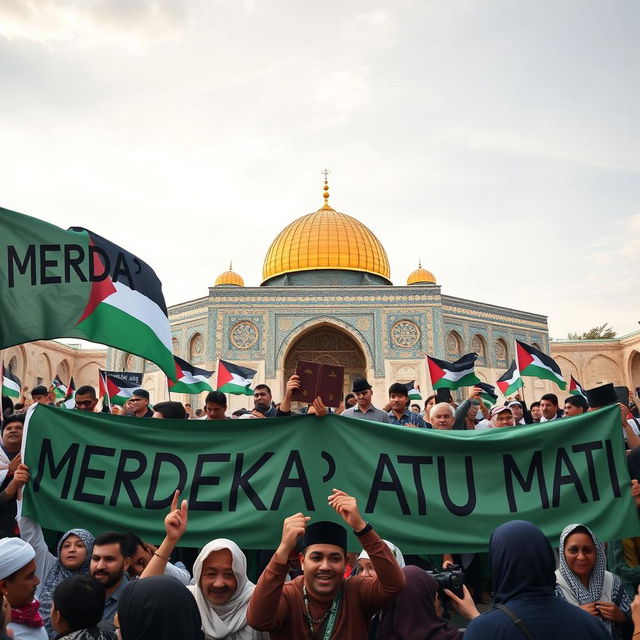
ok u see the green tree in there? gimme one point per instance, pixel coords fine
(603, 332)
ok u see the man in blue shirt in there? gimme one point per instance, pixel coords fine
(400, 413)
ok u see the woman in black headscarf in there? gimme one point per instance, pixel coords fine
(158, 608)
(416, 611)
(523, 570)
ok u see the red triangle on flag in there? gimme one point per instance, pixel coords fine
(523, 356)
(223, 375)
(435, 371)
(99, 290)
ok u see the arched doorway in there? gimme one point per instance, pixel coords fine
(326, 344)
(634, 371)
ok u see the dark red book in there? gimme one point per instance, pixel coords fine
(324, 380)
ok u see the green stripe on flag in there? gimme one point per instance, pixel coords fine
(110, 325)
(466, 381)
(236, 389)
(546, 374)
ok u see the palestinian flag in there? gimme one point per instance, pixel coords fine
(414, 390)
(510, 381)
(532, 362)
(233, 378)
(453, 375)
(59, 388)
(11, 385)
(117, 390)
(190, 378)
(575, 388)
(76, 284)
(488, 392)
(70, 399)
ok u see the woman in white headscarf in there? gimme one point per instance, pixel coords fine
(222, 592)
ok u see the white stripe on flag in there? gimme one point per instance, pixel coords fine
(454, 376)
(142, 309)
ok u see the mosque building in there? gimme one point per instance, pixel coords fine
(326, 296)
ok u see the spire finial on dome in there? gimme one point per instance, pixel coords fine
(419, 263)
(325, 195)
(230, 265)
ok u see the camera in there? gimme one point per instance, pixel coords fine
(451, 578)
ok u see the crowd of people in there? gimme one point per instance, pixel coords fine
(80, 586)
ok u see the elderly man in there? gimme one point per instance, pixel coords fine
(18, 582)
(364, 408)
(501, 416)
(321, 603)
(138, 404)
(442, 416)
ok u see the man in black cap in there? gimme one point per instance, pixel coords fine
(139, 404)
(364, 409)
(321, 603)
(605, 395)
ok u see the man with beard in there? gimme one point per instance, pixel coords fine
(109, 566)
(321, 602)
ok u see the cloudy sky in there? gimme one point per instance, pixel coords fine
(497, 141)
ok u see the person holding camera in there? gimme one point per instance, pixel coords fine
(419, 606)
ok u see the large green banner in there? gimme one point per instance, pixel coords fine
(426, 490)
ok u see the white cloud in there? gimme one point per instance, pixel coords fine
(83, 23)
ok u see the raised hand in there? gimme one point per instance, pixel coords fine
(347, 508)
(293, 529)
(175, 524)
(319, 407)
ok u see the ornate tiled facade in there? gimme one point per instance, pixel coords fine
(389, 329)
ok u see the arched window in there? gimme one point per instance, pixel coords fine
(501, 351)
(196, 347)
(454, 343)
(479, 346)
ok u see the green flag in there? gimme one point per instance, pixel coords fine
(426, 490)
(76, 284)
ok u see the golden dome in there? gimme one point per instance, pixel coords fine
(325, 239)
(421, 276)
(229, 278)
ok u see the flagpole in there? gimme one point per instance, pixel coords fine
(1, 385)
(106, 387)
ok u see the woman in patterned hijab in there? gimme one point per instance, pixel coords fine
(72, 558)
(583, 580)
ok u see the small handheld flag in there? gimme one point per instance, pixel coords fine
(413, 390)
(117, 389)
(191, 379)
(575, 388)
(59, 388)
(453, 375)
(69, 400)
(532, 362)
(11, 384)
(488, 392)
(510, 381)
(234, 379)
